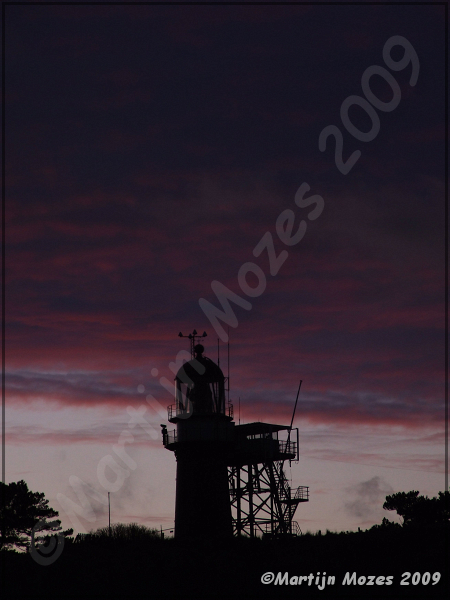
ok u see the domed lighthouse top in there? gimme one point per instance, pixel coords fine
(199, 388)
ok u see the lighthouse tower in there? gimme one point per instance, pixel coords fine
(230, 478)
(202, 443)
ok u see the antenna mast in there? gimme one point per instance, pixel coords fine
(295, 406)
(293, 414)
(228, 349)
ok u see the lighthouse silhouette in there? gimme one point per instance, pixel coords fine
(202, 443)
(224, 467)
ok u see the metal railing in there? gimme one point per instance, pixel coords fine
(295, 528)
(229, 408)
(267, 526)
(302, 493)
(287, 447)
(175, 411)
(170, 437)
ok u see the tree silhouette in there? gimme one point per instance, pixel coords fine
(21, 510)
(418, 510)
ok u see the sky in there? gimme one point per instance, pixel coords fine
(149, 149)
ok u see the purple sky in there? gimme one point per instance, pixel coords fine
(148, 150)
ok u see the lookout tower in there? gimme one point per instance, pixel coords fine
(262, 500)
(230, 478)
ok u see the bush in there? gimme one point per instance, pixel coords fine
(121, 532)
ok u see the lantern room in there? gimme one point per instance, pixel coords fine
(199, 388)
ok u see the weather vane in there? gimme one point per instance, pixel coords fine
(193, 336)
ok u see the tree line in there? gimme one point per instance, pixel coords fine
(22, 511)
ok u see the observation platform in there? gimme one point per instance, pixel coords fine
(261, 442)
(251, 443)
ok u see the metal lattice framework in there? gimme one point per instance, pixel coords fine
(262, 501)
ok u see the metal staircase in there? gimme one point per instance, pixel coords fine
(263, 501)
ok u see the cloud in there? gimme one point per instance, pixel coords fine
(118, 220)
(108, 434)
(368, 497)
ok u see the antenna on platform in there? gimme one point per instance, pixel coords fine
(192, 337)
(228, 351)
(293, 415)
